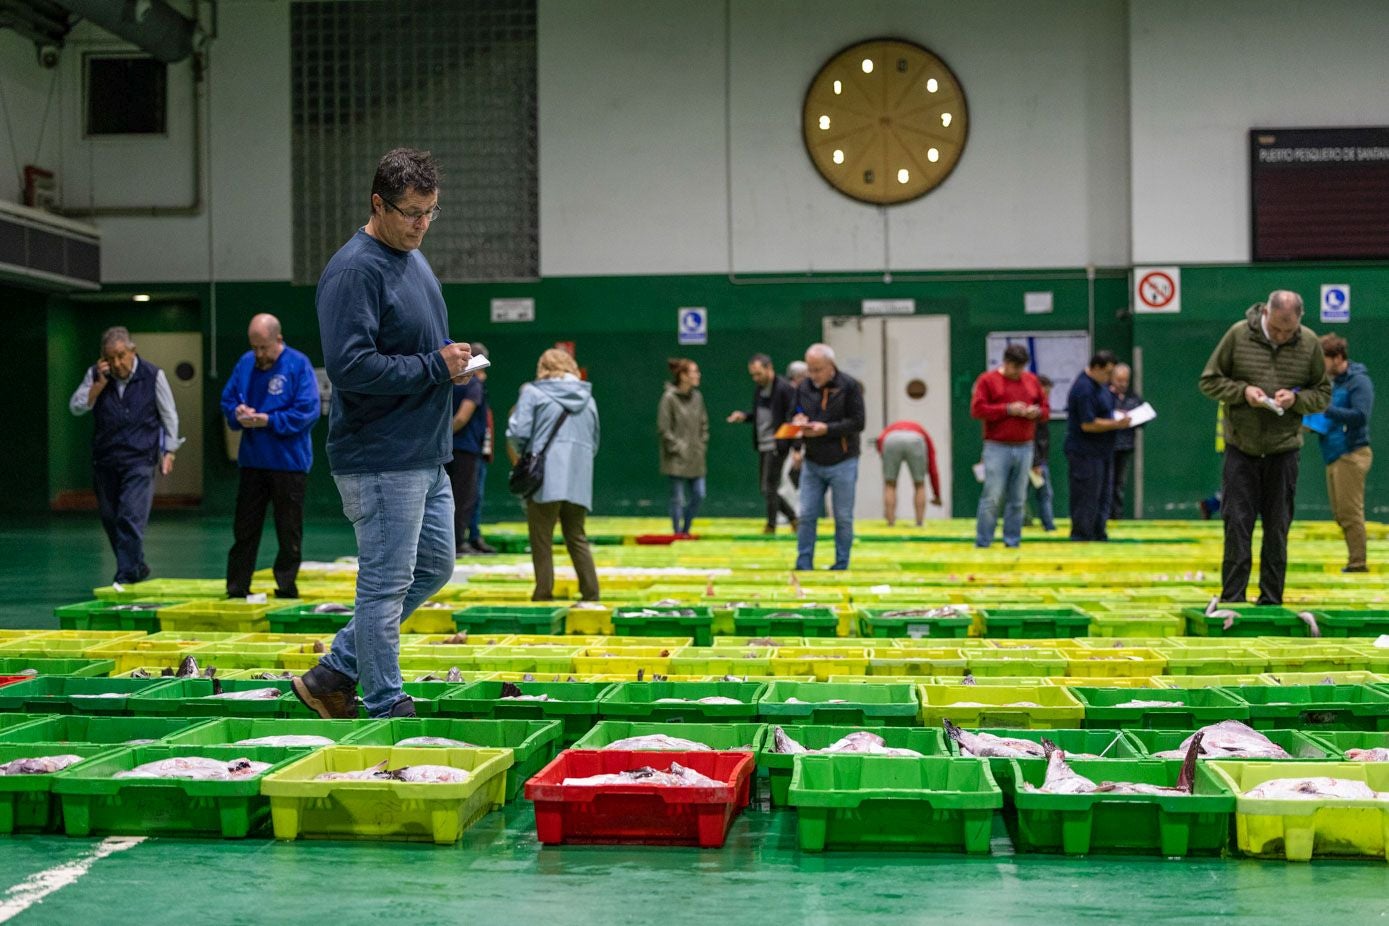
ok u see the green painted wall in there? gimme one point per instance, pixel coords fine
(26, 421)
(624, 328)
(1181, 463)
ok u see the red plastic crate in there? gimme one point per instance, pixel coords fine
(11, 679)
(636, 812)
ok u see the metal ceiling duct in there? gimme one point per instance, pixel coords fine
(152, 25)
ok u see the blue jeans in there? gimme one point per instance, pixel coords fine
(404, 525)
(1005, 486)
(1045, 495)
(475, 525)
(685, 496)
(124, 495)
(841, 479)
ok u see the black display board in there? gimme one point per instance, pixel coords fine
(1319, 194)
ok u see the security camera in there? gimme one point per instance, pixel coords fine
(48, 56)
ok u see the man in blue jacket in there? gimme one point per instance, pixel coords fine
(1090, 427)
(384, 325)
(272, 399)
(1346, 445)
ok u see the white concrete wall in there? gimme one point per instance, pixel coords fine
(1101, 131)
(1204, 74)
(632, 102)
(246, 104)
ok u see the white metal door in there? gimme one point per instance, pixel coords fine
(894, 358)
(179, 355)
(916, 387)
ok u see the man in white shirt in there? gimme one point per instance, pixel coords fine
(136, 433)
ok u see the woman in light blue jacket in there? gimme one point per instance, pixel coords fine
(566, 494)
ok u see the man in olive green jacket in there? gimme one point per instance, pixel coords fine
(1268, 372)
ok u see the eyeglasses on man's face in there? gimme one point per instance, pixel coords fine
(412, 216)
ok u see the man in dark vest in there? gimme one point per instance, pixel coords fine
(136, 433)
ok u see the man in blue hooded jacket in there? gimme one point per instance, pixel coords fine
(272, 399)
(1345, 447)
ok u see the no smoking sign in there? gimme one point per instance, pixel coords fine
(1157, 290)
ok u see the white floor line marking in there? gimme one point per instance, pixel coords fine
(36, 887)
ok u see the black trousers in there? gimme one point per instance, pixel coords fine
(463, 478)
(769, 464)
(1123, 459)
(1092, 481)
(259, 488)
(1263, 488)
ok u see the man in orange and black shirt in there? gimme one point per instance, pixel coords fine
(829, 410)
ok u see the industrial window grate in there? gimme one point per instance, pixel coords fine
(456, 77)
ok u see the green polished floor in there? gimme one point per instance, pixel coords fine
(500, 875)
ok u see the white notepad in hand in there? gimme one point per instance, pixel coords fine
(1140, 415)
(477, 363)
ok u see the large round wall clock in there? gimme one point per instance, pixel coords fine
(885, 121)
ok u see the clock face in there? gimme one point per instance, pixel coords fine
(885, 121)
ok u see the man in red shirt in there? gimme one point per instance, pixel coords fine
(1010, 401)
(906, 442)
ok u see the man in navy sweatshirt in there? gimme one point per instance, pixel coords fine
(384, 326)
(272, 399)
(1345, 447)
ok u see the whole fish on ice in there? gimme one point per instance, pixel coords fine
(38, 765)
(1062, 779)
(1229, 739)
(657, 741)
(860, 741)
(1377, 754)
(435, 741)
(289, 739)
(1283, 789)
(196, 768)
(677, 776)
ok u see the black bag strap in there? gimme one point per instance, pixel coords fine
(564, 413)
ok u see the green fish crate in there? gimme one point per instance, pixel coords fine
(1175, 825)
(538, 659)
(641, 701)
(302, 807)
(804, 620)
(230, 731)
(27, 804)
(1038, 708)
(79, 668)
(1299, 830)
(880, 622)
(109, 615)
(574, 704)
(1312, 657)
(61, 694)
(719, 737)
(1253, 621)
(827, 703)
(1308, 707)
(234, 615)
(98, 730)
(193, 697)
(1301, 746)
(533, 742)
(1035, 622)
(1195, 707)
(1338, 741)
(666, 622)
(1317, 678)
(777, 767)
(858, 802)
(714, 660)
(1216, 660)
(96, 803)
(532, 619)
(303, 618)
(1359, 622)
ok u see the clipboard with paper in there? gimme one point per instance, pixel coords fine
(1140, 415)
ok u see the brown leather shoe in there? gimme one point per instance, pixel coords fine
(331, 695)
